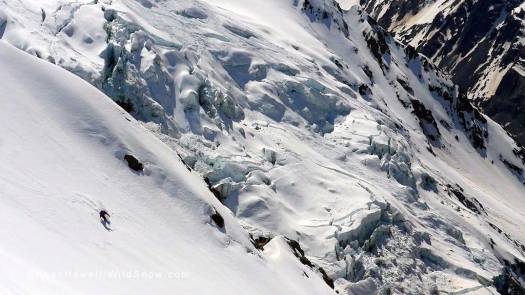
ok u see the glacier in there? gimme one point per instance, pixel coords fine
(287, 147)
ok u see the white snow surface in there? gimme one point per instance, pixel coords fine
(287, 111)
(62, 143)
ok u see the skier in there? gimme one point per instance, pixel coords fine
(104, 216)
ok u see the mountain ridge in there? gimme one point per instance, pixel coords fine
(480, 43)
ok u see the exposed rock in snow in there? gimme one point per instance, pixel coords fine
(133, 163)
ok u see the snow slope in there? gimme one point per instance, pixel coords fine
(306, 122)
(62, 143)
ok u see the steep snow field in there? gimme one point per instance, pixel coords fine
(305, 121)
(62, 144)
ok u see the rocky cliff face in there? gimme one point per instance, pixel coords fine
(480, 43)
(507, 105)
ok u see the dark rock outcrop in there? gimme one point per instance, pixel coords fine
(133, 163)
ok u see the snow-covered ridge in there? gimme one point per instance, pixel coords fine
(306, 122)
(479, 42)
